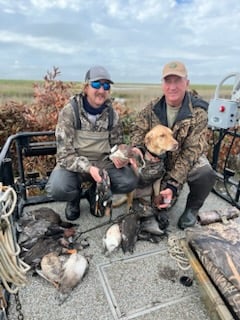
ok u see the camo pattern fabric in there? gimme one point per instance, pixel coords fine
(217, 246)
(189, 129)
(67, 156)
(150, 173)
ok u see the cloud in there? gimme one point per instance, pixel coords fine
(40, 43)
(132, 38)
(61, 4)
(135, 10)
(27, 6)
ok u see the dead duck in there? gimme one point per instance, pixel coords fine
(74, 269)
(58, 269)
(39, 223)
(129, 227)
(51, 216)
(31, 231)
(35, 231)
(43, 246)
(65, 271)
(48, 214)
(151, 225)
(52, 268)
(112, 239)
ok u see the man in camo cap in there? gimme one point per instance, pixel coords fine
(186, 115)
(88, 127)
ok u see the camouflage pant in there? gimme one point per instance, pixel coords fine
(65, 185)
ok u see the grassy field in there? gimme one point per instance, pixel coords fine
(134, 95)
(137, 95)
(17, 90)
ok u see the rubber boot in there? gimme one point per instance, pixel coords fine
(188, 218)
(72, 210)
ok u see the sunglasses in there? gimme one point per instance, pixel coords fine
(97, 85)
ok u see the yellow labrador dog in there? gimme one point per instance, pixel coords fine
(157, 142)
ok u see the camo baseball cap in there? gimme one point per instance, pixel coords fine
(98, 73)
(176, 68)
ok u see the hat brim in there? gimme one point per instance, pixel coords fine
(100, 78)
(179, 74)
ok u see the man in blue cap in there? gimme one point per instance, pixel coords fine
(88, 127)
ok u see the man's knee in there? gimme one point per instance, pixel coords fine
(207, 175)
(200, 184)
(62, 186)
(203, 175)
(56, 191)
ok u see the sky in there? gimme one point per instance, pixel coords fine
(132, 39)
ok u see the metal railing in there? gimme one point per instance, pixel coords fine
(228, 184)
(24, 144)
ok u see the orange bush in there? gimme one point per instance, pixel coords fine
(49, 98)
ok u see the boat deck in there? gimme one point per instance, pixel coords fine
(143, 285)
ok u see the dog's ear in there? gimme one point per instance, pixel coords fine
(148, 138)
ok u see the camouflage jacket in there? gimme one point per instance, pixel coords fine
(68, 156)
(189, 130)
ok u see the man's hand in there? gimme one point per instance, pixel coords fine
(94, 172)
(119, 163)
(166, 198)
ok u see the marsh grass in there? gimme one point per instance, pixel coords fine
(17, 90)
(133, 95)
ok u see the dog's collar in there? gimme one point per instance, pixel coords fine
(161, 156)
